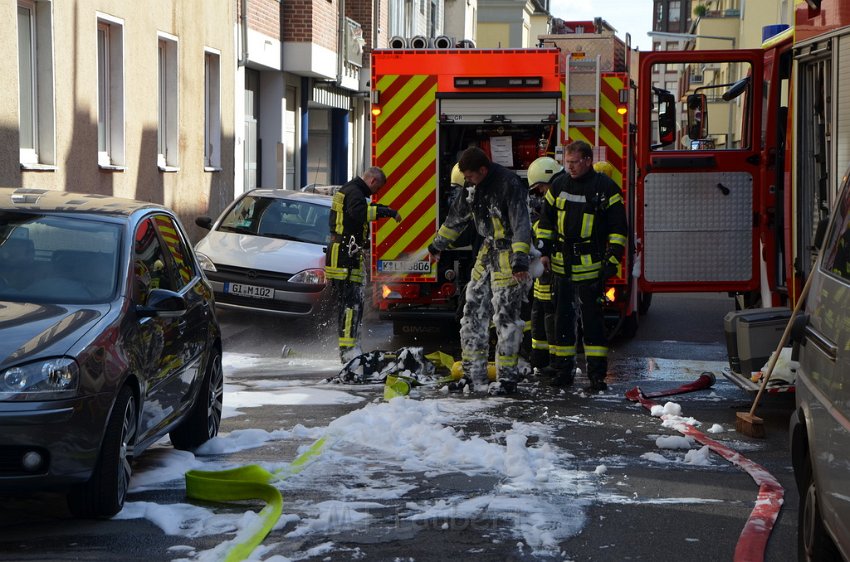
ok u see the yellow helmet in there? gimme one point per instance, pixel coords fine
(604, 167)
(542, 170)
(457, 176)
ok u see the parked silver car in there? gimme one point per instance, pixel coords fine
(820, 426)
(266, 252)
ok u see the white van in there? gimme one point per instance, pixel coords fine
(820, 425)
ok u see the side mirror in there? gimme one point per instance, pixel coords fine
(697, 116)
(736, 89)
(204, 222)
(666, 117)
(798, 328)
(162, 303)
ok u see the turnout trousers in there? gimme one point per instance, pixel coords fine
(542, 320)
(497, 297)
(572, 298)
(349, 316)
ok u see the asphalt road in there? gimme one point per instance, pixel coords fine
(641, 509)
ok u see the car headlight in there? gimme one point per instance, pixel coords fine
(309, 276)
(50, 379)
(205, 262)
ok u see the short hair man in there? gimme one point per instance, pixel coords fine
(583, 229)
(496, 207)
(349, 219)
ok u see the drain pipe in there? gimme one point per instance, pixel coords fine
(243, 56)
(340, 53)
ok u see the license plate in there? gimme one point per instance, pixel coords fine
(252, 291)
(397, 266)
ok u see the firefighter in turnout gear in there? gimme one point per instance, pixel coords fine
(495, 205)
(583, 229)
(542, 309)
(351, 213)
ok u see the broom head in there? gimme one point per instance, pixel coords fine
(749, 424)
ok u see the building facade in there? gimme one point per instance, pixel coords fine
(511, 23)
(102, 97)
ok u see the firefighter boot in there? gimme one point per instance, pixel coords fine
(561, 371)
(597, 369)
(502, 387)
(476, 373)
(539, 359)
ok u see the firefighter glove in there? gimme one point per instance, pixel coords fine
(609, 268)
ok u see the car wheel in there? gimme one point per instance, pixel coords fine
(644, 302)
(103, 495)
(813, 542)
(204, 419)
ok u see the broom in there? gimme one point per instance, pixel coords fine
(747, 422)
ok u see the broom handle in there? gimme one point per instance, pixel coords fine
(782, 341)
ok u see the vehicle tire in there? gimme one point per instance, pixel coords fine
(644, 302)
(813, 542)
(103, 495)
(203, 420)
(630, 326)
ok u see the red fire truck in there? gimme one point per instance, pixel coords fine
(760, 146)
(735, 202)
(516, 104)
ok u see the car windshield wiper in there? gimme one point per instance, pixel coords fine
(279, 236)
(239, 229)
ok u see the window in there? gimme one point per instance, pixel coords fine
(725, 124)
(212, 110)
(675, 9)
(110, 92)
(149, 263)
(396, 18)
(836, 257)
(409, 22)
(179, 262)
(35, 79)
(167, 141)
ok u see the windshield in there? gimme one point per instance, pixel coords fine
(57, 260)
(272, 217)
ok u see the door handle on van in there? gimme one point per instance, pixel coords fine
(822, 342)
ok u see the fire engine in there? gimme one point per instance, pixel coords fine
(755, 147)
(429, 105)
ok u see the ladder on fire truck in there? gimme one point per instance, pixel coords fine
(583, 80)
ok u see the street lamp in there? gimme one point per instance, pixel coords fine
(688, 36)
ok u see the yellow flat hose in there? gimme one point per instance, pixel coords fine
(248, 483)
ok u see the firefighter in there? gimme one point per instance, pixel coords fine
(584, 219)
(351, 213)
(495, 203)
(542, 311)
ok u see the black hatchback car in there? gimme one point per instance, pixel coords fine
(108, 341)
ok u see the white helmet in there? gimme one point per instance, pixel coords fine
(457, 176)
(542, 170)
